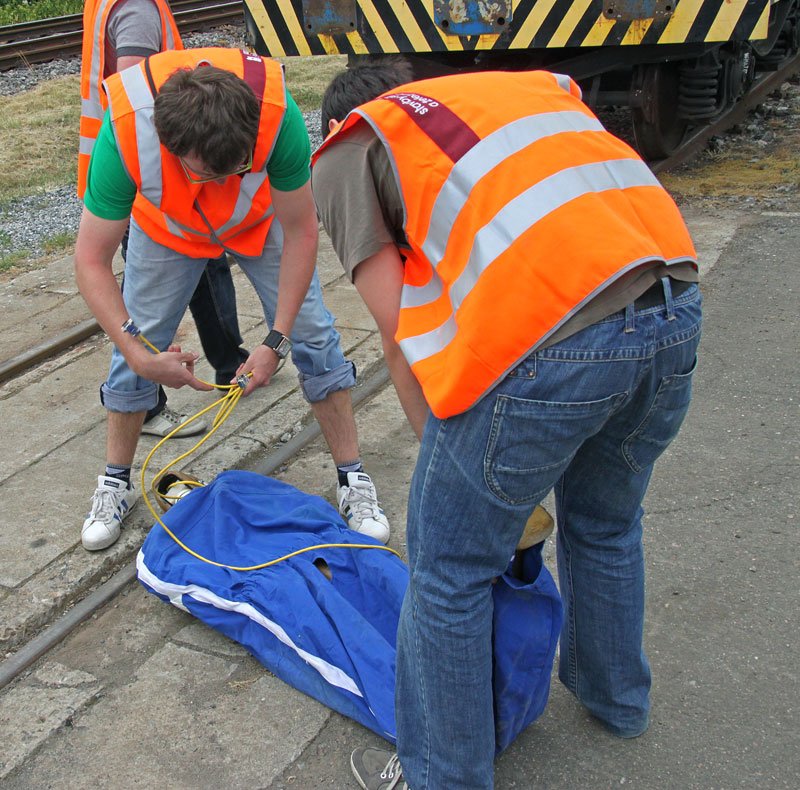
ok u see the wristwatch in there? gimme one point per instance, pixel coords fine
(279, 343)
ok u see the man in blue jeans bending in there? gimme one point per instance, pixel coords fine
(535, 289)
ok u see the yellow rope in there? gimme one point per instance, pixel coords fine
(226, 405)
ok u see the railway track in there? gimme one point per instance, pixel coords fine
(60, 37)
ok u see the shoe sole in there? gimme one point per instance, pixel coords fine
(190, 430)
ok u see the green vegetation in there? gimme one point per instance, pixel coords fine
(58, 242)
(307, 78)
(12, 260)
(13, 11)
(39, 138)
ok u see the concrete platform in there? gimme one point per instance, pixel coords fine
(144, 696)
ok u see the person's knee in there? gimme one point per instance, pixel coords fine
(129, 401)
(317, 388)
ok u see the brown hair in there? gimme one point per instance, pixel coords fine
(210, 113)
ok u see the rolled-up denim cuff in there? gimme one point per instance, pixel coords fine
(317, 388)
(129, 401)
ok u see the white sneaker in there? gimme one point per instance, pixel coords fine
(358, 505)
(167, 420)
(110, 504)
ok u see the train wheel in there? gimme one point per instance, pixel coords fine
(780, 13)
(656, 126)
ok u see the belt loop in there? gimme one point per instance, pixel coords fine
(630, 326)
(668, 300)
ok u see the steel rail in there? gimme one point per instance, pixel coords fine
(61, 37)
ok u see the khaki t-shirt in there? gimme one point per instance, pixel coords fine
(359, 205)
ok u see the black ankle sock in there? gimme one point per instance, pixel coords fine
(120, 472)
(343, 469)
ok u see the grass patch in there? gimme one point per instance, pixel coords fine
(60, 242)
(12, 260)
(39, 138)
(13, 11)
(734, 175)
(307, 78)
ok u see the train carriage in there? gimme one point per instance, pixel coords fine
(676, 63)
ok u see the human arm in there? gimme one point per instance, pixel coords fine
(295, 212)
(96, 244)
(379, 282)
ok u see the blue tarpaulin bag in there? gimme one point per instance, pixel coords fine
(325, 620)
(527, 624)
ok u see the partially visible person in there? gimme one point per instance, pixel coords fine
(535, 290)
(205, 151)
(118, 34)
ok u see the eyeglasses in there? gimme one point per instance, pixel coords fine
(204, 178)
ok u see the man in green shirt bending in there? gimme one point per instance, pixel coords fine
(205, 152)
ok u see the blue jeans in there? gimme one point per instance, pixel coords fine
(589, 416)
(213, 307)
(159, 284)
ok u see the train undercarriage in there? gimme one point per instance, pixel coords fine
(677, 64)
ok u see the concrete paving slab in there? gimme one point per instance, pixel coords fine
(189, 719)
(32, 713)
(200, 636)
(40, 304)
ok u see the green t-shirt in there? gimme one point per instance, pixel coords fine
(110, 192)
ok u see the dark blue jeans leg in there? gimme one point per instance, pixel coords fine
(213, 307)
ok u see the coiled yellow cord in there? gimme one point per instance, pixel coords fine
(226, 404)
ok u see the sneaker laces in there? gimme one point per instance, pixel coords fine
(362, 499)
(389, 771)
(104, 505)
(172, 417)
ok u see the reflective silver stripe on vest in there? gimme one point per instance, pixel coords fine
(477, 163)
(566, 83)
(92, 106)
(513, 220)
(250, 184)
(86, 145)
(147, 144)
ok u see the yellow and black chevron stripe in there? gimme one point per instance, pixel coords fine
(391, 26)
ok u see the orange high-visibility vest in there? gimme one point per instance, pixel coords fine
(198, 220)
(519, 209)
(93, 66)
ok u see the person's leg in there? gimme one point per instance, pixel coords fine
(599, 511)
(213, 307)
(477, 478)
(158, 285)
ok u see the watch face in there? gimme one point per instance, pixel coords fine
(279, 343)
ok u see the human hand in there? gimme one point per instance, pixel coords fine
(172, 368)
(261, 364)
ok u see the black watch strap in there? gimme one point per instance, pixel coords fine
(279, 343)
